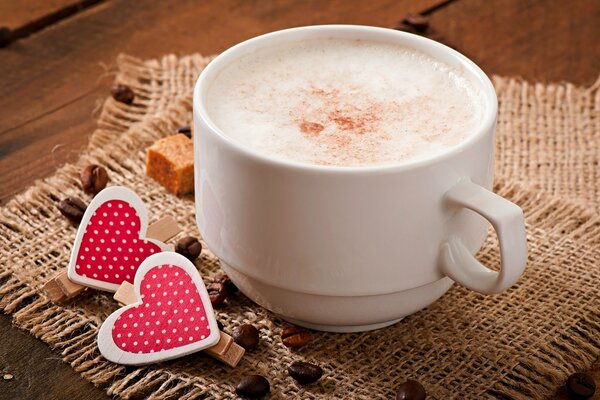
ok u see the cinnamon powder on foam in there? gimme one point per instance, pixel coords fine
(278, 102)
(335, 124)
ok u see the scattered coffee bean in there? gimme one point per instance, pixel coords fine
(253, 387)
(72, 208)
(217, 293)
(580, 386)
(122, 93)
(189, 247)
(224, 279)
(246, 336)
(418, 22)
(5, 36)
(411, 390)
(405, 28)
(304, 372)
(185, 130)
(94, 178)
(295, 337)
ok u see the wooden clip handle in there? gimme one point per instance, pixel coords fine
(163, 229)
(125, 294)
(60, 288)
(226, 350)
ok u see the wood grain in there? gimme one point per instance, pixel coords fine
(20, 19)
(38, 372)
(15, 14)
(554, 40)
(52, 83)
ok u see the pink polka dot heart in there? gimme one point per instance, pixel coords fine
(111, 249)
(171, 315)
(111, 243)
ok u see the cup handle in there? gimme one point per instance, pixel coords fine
(458, 263)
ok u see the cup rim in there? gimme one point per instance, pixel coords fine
(215, 65)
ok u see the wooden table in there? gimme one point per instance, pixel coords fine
(53, 78)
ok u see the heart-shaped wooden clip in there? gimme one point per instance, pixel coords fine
(168, 315)
(112, 240)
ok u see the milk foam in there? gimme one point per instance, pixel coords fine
(344, 102)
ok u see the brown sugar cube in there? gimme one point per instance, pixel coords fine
(171, 162)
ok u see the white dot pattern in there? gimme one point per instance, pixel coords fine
(92, 260)
(160, 319)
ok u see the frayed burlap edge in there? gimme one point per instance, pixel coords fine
(74, 336)
(549, 136)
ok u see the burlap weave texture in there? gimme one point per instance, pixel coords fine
(521, 344)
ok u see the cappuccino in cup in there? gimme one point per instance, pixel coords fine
(345, 102)
(343, 174)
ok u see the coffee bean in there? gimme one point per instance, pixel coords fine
(5, 36)
(253, 387)
(304, 372)
(405, 28)
(418, 22)
(401, 26)
(246, 336)
(295, 337)
(411, 390)
(217, 293)
(185, 130)
(224, 279)
(580, 386)
(122, 93)
(72, 208)
(220, 325)
(189, 247)
(94, 178)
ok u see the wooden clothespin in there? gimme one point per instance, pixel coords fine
(60, 288)
(166, 314)
(112, 240)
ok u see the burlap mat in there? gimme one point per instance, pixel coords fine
(521, 344)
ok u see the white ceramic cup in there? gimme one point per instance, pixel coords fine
(352, 248)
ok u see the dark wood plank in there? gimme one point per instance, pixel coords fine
(16, 13)
(48, 142)
(52, 86)
(22, 18)
(553, 40)
(38, 373)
